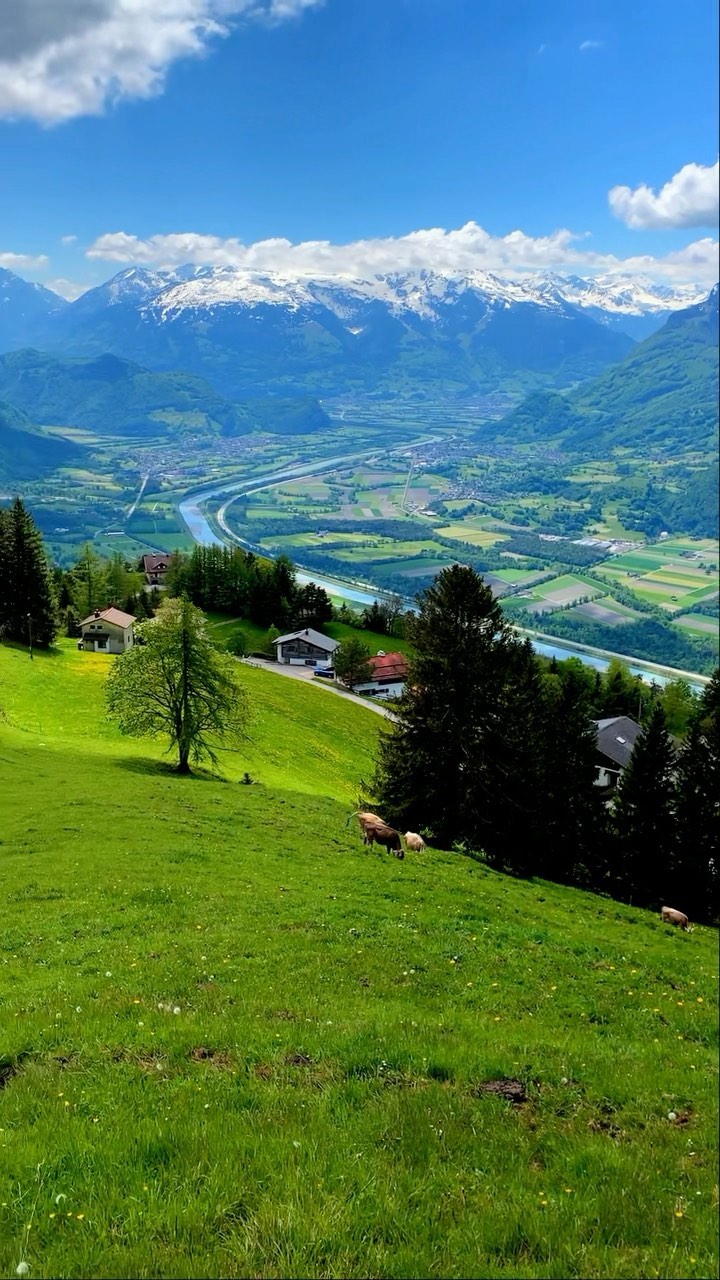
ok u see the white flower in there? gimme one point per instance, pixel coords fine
(176, 1009)
(108, 974)
(672, 1115)
(22, 1269)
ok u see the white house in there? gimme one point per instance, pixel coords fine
(306, 648)
(107, 631)
(389, 673)
(616, 738)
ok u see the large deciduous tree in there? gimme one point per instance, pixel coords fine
(27, 597)
(176, 684)
(351, 662)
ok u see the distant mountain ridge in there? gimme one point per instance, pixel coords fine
(418, 334)
(26, 452)
(107, 394)
(663, 395)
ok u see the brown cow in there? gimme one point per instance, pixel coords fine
(380, 833)
(670, 916)
(414, 841)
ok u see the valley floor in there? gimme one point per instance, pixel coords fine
(233, 1042)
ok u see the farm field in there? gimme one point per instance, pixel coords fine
(236, 1043)
(672, 574)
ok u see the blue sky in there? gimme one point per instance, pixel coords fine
(197, 128)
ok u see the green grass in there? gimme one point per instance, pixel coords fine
(314, 1107)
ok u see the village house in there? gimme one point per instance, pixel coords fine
(306, 648)
(107, 631)
(616, 738)
(389, 673)
(155, 567)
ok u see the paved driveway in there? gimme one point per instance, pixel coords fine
(308, 675)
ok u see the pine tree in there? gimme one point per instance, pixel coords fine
(643, 816)
(437, 766)
(89, 582)
(27, 598)
(696, 862)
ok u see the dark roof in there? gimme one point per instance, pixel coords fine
(616, 738)
(151, 564)
(310, 636)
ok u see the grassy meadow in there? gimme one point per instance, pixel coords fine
(234, 1042)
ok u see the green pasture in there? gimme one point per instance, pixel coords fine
(469, 532)
(235, 1042)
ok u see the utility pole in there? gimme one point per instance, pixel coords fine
(29, 622)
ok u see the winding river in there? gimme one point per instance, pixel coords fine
(191, 510)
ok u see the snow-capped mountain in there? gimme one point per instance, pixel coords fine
(416, 332)
(23, 308)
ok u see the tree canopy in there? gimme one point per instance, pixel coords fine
(174, 683)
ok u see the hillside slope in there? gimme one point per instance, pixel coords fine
(663, 395)
(117, 397)
(235, 1042)
(26, 452)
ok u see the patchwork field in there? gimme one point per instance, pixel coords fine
(236, 1043)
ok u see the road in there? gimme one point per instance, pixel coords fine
(307, 674)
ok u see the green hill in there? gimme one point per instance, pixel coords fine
(664, 395)
(111, 396)
(236, 1043)
(26, 452)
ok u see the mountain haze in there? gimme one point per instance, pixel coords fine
(664, 394)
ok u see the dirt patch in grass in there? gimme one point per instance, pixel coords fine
(216, 1057)
(298, 1060)
(513, 1090)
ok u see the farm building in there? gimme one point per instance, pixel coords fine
(389, 673)
(616, 738)
(305, 648)
(107, 631)
(155, 567)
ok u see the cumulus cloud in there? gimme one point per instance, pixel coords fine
(58, 61)
(23, 261)
(466, 248)
(70, 289)
(689, 199)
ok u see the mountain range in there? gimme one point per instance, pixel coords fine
(664, 394)
(418, 334)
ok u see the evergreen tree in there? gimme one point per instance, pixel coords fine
(643, 816)
(696, 864)
(574, 815)
(437, 765)
(89, 582)
(27, 598)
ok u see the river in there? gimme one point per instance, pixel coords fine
(191, 511)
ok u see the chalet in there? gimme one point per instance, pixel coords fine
(155, 567)
(306, 648)
(616, 738)
(107, 631)
(389, 673)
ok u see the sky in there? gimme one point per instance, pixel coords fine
(355, 136)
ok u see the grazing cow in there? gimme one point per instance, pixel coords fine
(670, 916)
(380, 833)
(414, 841)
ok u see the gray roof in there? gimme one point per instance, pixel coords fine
(312, 637)
(616, 738)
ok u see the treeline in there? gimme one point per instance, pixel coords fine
(645, 638)
(496, 755)
(244, 585)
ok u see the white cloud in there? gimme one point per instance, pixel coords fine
(61, 60)
(466, 248)
(689, 199)
(590, 44)
(70, 289)
(23, 261)
(68, 239)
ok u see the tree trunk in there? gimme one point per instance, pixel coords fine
(183, 764)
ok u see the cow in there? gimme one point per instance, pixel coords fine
(670, 916)
(380, 833)
(414, 841)
(363, 817)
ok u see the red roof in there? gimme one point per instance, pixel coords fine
(389, 666)
(113, 615)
